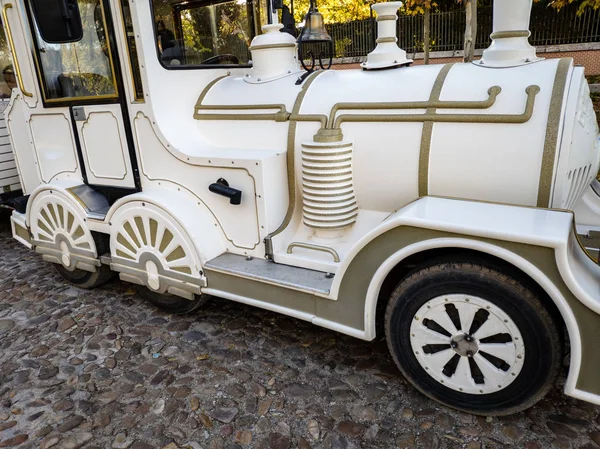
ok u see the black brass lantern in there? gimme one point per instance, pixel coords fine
(314, 43)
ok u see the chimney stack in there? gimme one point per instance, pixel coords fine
(510, 37)
(387, 53)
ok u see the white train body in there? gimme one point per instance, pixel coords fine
(9, 177)
(346, 178)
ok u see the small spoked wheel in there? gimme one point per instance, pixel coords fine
(473, 338)
(86, 279)
(172, 303)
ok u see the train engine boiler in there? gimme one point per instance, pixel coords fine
(433, 204)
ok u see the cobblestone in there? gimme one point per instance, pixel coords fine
(102, 368)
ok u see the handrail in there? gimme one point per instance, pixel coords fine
(325, 249)
(13, 51)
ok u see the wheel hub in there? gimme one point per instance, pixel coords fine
(464, 345)
(467, 343)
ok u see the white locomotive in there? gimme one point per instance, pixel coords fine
(433, 203)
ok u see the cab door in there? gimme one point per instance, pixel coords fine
(85, 77)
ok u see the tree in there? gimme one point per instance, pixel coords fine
(470, 30)
(583, 4)
(422, 7)
(335, 11)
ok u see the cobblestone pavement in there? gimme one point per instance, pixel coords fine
(104, 369)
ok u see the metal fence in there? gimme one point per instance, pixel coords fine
(548, 27)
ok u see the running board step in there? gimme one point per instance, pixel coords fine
(95, 203)
(272, 273)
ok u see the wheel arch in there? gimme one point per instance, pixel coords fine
(399, 264)
(192, 216)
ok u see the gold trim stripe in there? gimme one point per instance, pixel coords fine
(13, 50)
(266, 46)
(386, 40)
(436, 91)
(387, 17)
(510, 34)
(291, 163)
(552, 131)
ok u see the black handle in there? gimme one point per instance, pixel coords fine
(221, 187)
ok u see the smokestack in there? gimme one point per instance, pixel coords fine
(510, 37)
(387, 53)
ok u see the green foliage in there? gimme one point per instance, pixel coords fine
(583, 4)
(334, 11)
(341, 45)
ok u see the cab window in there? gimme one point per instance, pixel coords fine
(79, 69)
(204, 33)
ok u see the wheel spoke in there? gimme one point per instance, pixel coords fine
(498, 338)
(434, 326)
(450, 367)
(476, 373)
(492, 376)
(435, 348)
(480, 317)
(496, 361)
(454, 316)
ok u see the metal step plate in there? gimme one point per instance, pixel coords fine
(270, 272)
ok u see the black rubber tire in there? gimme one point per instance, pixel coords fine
(172, 303)
(86, 279)
(539, 330)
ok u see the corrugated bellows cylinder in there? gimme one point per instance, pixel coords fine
(327, 185)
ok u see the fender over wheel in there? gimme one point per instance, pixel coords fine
(60, 234)
(473, 338)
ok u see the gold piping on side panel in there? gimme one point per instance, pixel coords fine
(493, 93)
(551, 144)
(436, 91)
(204, 93)
(291, 163)
(524, 117)
(281, 116)
(13, 50)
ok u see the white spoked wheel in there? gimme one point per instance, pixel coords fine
(149, 244)
(55, 220)
(467, 343)
(473, 338)
(144, 229)
(59, 229)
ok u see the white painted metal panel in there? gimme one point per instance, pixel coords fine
(20, 133)
(9, 178)
(104, 146)
(54, 144)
